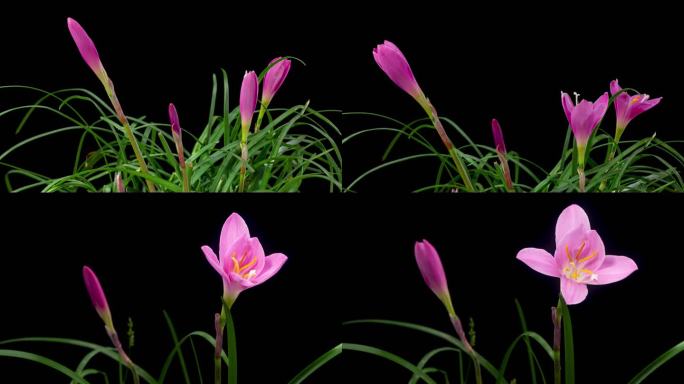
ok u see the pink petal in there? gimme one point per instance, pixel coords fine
(233, 229)
(600, 108)
(614, 268)
(571, 218)
(573, 293)
(257, 251)
(213, 259)
(568, 105)
(272, 265)
(615, 87)
(539, 260)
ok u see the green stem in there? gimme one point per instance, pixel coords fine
(506, 172)
(453, 152)
(219, 324)
(556, 318)
(243, 167)
(186, 180)
(611, 153)
(582, 178)
(262, 112)
(109, 87)
(456, 322)
(232, 347)
(124, 357)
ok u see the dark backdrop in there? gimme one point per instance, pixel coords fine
(350, 257)
(474, 60)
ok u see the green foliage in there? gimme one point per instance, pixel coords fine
(294, 146)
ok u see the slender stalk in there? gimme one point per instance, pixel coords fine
(456, 322)
(556, 318)
(610, 155)
(124, 357)
(262, 112)
(243, 167)
(219, 324)
(453, 152)
(582, 178)
(232, 348)
(129, 133)
(506, 172)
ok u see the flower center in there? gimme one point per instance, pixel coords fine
(575, 270)
(242, 266)
(635, 99)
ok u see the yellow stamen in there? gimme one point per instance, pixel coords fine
(248, 265)
(579, 251)
(584, 259)
(567, 252)
(236, 265)
(635, 99)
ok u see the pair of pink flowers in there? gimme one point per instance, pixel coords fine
(585, 117)
(249, 91)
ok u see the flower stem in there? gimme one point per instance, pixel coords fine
(232, 346)
(219, 325)
(611, 154)
(109, 87)
(582, 178)
(456, 322)
(453, 152)
(124, 357)
(556, 318)
(243, 167)
(506, 172)
(262, 112)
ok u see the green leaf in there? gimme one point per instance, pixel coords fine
(655, 364)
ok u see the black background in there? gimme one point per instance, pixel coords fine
(475, 61)
(350, 257)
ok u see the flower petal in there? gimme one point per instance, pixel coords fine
(233, 229)
(571, 218)
(573, 293)
(614, 268)
(539, 260)
(257, 252)
(272, 265)
(615, 87)
(568, 105)
(213, 259)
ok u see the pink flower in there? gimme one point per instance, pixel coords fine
(498, 137)
(177, 133)
(584, 117)
(87, 49)
(97, 296)
(249, 92)
(628, 107)
(274, 78)
(501, 154)
(394, 64)
(241, 261)
(580, 257)
(430, 267)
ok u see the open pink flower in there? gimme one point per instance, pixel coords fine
(580, 258)
(628, 107)
(584, 117)
(241, 261)
(390, 59)
(274, 78)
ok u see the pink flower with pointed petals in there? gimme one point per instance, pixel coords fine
(584, 117)
(628, 107)
(580, 258)
(390, 59)
(87, 49)
(274, 78)
(430, 266)
(241, 261)
(97, 296)
(249, 92)
(177, 133)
